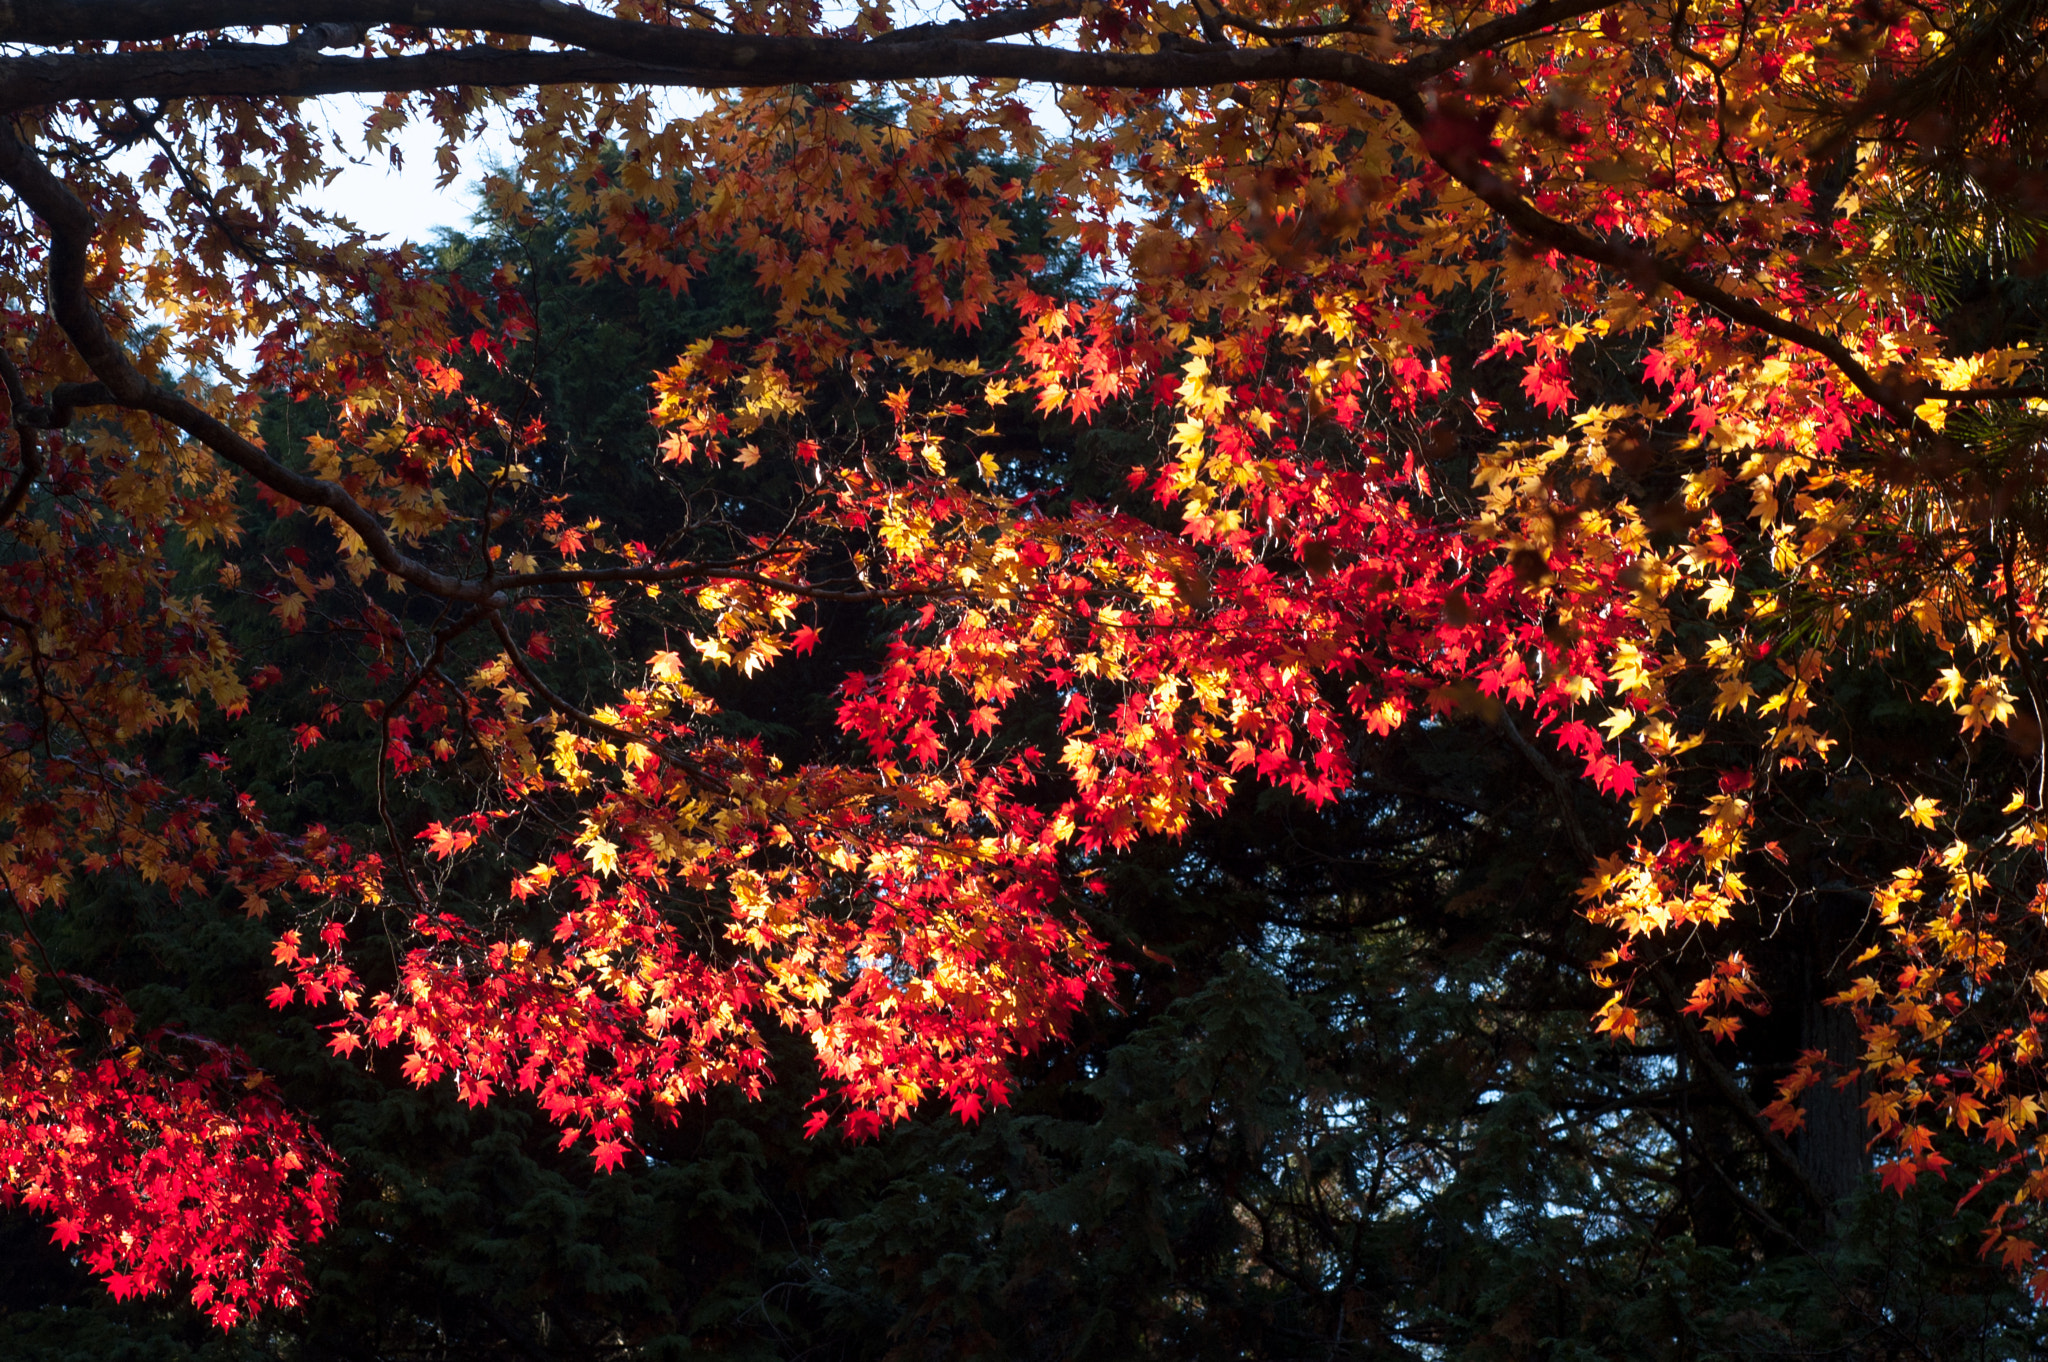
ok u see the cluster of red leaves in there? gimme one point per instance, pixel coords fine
(948, 961)
(167, 1161)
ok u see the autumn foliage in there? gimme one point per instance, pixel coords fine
(1735, 454)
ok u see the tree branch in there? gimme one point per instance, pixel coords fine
(670, 57)
(1636, 263)
(1696, 1046)
(431, 667)
(1004, 23)
(19, 413)
(72, 227)
(63, 22)
(1748, 1205)
(1732, 1093)
(1560, 785)
(686, 572)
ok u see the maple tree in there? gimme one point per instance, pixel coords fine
(1709, 208)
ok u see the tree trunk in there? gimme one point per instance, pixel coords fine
(1831, 1145)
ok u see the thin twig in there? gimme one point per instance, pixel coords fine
(431, 667)
(589, 722)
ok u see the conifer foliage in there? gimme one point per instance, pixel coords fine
(1743, 443)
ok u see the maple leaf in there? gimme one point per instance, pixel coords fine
(602, 855)
(1548, 385)
(1784, 1116)
(923, 741)
(444, 841)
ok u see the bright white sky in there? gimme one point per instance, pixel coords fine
(404, 204)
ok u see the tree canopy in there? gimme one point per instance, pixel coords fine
(998, 448)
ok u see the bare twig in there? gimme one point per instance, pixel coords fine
(1560, 785)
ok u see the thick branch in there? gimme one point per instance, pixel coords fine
(1003, 23)
(614, 50)
(1536, 226)
(657, 53)
(18, 414)
(689, 58)
(24, 477)
(72, 227)
(73, 21)
(63, 22)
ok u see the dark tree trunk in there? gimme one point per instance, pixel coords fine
(1831, 1145)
